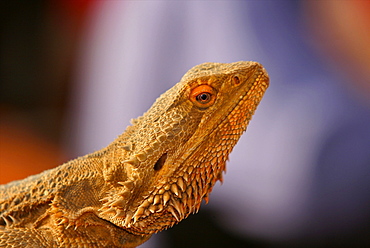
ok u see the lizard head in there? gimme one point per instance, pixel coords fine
(168, 161)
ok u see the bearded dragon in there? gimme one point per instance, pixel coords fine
(151, 177)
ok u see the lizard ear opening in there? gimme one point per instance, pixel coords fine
(236, 80)
(159, 164)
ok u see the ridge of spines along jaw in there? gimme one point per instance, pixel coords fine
(175, 198)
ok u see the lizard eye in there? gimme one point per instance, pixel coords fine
(203, 96)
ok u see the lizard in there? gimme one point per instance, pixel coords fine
(150, 177)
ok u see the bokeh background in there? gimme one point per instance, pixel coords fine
(73, 73)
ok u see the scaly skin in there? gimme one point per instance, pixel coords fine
(151, 177)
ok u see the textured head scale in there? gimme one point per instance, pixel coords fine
(177, 150)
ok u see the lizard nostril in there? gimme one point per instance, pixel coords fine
(159, 164)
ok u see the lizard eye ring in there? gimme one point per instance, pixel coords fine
(203, 96)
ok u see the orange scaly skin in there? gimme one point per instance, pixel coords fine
(151, 177)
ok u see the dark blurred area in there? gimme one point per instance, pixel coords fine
(39, 48)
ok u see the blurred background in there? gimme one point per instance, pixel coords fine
(73, 73)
